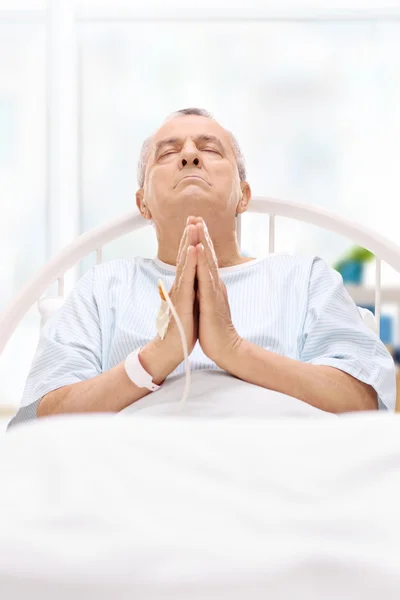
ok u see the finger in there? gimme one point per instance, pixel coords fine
(204, 275)
(209, 251)
(210, 243)
(190, 237)
(203, 231)
(193, 235)
(186, 282)
(189, 221)
(182, 244)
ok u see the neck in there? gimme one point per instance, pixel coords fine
(225, 245)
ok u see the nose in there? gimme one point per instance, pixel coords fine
(190, 156)
(195, 161)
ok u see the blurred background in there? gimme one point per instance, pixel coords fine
(310, 89)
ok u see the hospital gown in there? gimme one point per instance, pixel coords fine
(296, 306)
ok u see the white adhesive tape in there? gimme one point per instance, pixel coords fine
(162, 320)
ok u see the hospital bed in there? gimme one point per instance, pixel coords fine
(104, 507)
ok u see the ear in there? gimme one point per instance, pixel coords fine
(244, 202)
(142, 206)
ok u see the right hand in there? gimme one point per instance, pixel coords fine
(183, 294)
(160, 357)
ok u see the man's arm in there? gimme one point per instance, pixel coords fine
(342, 364)
(326, 388)
(111, 391)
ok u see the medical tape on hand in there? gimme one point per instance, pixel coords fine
(164, 315)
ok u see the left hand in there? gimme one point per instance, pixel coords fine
(217, 336)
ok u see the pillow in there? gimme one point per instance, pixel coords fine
(47, 307)
(369, 319)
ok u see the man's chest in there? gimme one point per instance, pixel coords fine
(264, 317)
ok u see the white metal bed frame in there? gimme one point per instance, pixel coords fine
(96, 239)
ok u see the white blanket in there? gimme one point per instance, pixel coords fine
(218, 394)
(153, 508)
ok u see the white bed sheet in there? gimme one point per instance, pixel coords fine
(154, 508)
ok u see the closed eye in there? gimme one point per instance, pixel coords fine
(211, 150)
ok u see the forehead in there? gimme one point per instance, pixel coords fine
(191, 126)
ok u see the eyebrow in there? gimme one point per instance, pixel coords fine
(173, 141)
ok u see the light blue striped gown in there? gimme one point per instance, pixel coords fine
(292, 305)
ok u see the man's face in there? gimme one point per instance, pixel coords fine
(191, 171)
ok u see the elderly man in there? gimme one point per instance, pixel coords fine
(279, 325)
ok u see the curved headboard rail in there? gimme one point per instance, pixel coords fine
(96, 238)
(368, 238)
(60, 264)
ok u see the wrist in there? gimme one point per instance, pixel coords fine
(156, 359)
(231, 355)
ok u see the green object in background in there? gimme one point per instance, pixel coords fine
(350, 266)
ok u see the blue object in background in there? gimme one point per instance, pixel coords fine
(386, 332)
(396, 355)
(352, 272)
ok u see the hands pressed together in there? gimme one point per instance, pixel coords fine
(200, 297)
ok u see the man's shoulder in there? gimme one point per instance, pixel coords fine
(285, 267)
(283, 262)
(114, 267)
(303, 261)
(119, 269)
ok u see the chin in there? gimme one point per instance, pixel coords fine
(192, 195)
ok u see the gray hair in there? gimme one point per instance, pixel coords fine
(200, 112)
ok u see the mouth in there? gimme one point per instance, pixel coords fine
(192, 177)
